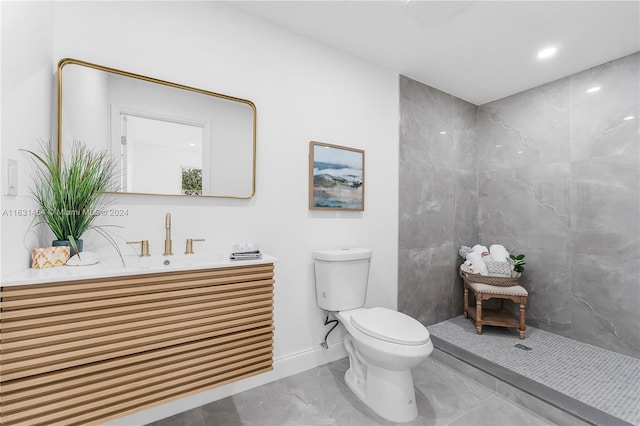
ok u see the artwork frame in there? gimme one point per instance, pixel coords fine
(336, 177)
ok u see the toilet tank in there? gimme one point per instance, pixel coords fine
(341, 278)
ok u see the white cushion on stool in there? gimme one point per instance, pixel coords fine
(516, 290)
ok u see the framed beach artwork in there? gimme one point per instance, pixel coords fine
(336, 177)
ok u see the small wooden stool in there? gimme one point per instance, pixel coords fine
(499, 317)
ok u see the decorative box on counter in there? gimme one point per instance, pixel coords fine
(48, 257)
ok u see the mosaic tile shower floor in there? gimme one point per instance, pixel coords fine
(603, 379)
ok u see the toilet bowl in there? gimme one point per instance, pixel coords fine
(383, 345)
(392, 339)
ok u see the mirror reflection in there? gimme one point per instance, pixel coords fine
(169, 139)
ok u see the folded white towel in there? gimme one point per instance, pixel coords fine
(498, 253)
(469, 266)
(245, 248)
(478, 264)
(480, 249)
(246, 256)
(248, 253)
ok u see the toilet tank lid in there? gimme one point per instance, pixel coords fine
(339, 255)
(391, 326)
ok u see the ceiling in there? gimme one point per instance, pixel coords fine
(479, 51)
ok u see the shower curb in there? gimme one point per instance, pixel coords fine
(542, 400)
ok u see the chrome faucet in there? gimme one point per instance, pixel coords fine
(167, 238)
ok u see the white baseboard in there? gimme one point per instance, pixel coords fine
(282, 367)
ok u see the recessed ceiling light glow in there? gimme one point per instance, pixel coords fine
(547, 52)
(443, 133)
(593, 89)
(631, 117)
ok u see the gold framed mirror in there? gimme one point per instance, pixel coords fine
(168, 138)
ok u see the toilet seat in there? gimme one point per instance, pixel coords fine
(390, 326)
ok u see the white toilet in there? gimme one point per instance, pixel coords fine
(383, 344)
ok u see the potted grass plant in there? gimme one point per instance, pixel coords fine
(69, 192)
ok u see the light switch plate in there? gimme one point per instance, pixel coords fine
(11, 177)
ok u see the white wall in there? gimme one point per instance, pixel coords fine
(26, 88)
(303, 92)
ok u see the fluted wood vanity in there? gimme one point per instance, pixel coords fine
(89, 350)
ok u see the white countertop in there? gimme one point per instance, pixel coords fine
(134, 265)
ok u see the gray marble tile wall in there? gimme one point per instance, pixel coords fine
(559, 180)
(552, 172)
(438, 199)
